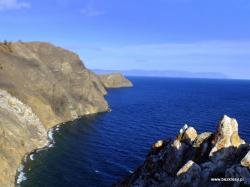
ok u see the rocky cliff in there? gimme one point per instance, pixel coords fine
(207, 159)
(115, 80)
(41, 85)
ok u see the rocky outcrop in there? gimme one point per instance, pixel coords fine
(41, 85)
(20, 132)
(206, 159)
(115, 80)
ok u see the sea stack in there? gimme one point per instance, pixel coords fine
(206, 159)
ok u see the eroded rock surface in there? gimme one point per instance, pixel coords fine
(20, 132)
(194, 159)
(115, 80)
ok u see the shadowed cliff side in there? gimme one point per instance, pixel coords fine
(193, 160)
(41, 85)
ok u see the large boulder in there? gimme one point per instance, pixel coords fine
(187, 134)
(226, 138)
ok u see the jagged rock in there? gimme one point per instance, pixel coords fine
(246, 160)
(203, 145)
(227, 146)
(195, 162)
(186, 134)
(188, 174)
(226, 136)
(189, 134)
(201, 138)
(177, 144)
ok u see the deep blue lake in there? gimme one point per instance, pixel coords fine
(98, 150)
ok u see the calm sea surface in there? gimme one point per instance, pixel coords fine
(101, 149)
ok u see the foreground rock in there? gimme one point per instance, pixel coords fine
(115, 80)
(196, 160)
(40, 86)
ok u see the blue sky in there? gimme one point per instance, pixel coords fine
(189, 35)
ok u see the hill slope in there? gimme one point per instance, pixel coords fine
(41, 85)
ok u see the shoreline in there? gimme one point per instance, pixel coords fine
(20, 174)
(29, 156)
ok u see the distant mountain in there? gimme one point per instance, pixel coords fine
(166, 73)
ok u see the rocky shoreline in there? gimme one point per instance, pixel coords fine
(41, 86)
(192, 160)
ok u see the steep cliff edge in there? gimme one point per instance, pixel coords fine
(41, 85)
(115, 80)
(207, 159)
(51, 80)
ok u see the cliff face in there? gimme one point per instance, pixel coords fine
(115, 80)
(196, 160)
(20, 132)
(51, 80)
(40, 86)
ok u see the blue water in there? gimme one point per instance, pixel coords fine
(101, 149)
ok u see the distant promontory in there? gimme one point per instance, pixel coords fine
(115, 80)
(167, 73)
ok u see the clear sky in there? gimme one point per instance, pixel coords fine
(190, 35)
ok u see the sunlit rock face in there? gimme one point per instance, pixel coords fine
(20, 132)
(192, 159)
(226, 135)
(187, 134)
